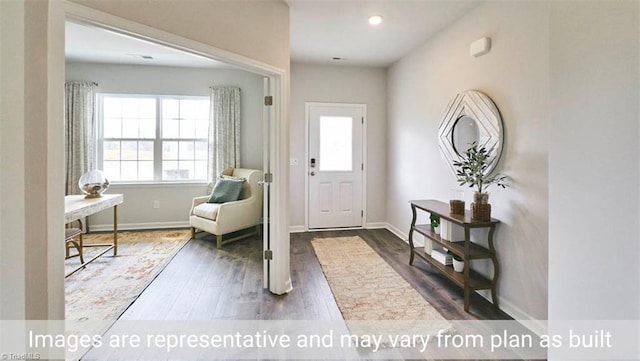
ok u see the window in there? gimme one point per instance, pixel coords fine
(153, 138)
(336, 145)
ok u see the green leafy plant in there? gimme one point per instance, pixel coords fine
(454, 256)
(435, 220)
(471, 170)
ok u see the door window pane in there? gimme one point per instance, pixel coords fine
(336, 146)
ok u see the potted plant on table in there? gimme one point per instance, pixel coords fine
(435, 222)
(458, 262)
(471, 170)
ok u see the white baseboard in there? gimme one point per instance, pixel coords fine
(297, 229)
(537, 326)
(375, 225)
(371, 225)
(403, 236)
(138, 226)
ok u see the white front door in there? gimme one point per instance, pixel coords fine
(335, 165)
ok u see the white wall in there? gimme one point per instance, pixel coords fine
(175, 201)
(594, 249)
(515, 75)
(340, 84)
(29, 151)
(12, 149)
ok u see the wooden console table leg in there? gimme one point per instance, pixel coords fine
(494, 297)
(496, 268)
(467, 296)
(413, 223)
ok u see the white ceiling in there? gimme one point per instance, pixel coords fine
(319, 31)
(87, 43)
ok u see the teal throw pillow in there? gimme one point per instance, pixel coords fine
(226, 190)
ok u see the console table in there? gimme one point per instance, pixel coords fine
(468, 279)
(77, 207)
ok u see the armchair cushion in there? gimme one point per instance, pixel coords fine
(207, 210)
(227, 189)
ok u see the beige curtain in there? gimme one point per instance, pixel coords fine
(80, 132)
(224, 130)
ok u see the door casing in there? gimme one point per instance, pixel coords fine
(308, 106)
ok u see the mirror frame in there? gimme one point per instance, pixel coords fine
(483, 110)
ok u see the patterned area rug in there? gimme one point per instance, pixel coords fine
(365, 286)
(107, 286)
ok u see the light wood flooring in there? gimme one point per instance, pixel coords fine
(205, 283)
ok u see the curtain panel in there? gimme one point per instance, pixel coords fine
(224, 130)
(80, 132)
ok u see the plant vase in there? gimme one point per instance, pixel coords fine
(436, 230)
(458, 266)
(480, 208)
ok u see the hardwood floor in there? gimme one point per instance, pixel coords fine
(205, 283)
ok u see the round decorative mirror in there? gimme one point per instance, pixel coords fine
(465, 133)
(471, 117)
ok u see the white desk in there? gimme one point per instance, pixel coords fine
(77, 207)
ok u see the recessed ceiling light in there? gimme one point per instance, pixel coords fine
(375, 20)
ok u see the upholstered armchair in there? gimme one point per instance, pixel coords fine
(223, 218)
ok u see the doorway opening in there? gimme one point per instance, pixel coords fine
(279, 279)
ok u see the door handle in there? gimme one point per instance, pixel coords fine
(312, 173)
